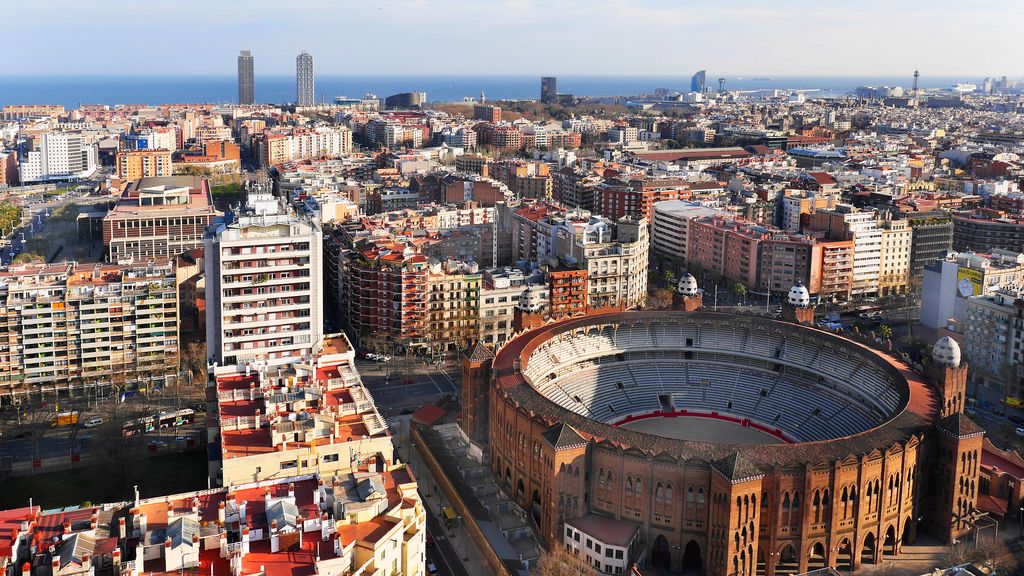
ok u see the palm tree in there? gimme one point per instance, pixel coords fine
(741, 292)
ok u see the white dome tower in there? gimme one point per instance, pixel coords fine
(688, 297)
(946, 352)
(687, 285)
(799, 297)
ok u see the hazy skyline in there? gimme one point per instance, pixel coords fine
(800, 37)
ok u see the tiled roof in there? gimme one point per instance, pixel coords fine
(562, 436)
(737, 468)
(959, 425)
(480, 353)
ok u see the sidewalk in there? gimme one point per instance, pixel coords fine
(434, 500)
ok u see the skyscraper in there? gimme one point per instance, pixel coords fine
(697, 82)
(305, 94)
(548, 89)
(245, 78)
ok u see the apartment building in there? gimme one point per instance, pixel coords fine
(383, 295)
(453, 304)
(847, 222)
(635, 199)
(614, 253)
(567, 292)
(137, 164)
(615, 257)
(932, 237)
(263, 286)
(158, 218)
(58, 156)
(670, 226)
(993, 338)
(274, 148)
(499, 295)
(70, 327)
(575, 188)
(948, 282)
(311, 416)
(797, 204)
(983, 231)
(894, 258)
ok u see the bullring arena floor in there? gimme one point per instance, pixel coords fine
(702, 430)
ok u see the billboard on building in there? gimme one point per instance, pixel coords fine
(969, 282)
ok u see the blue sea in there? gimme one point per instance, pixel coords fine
(72, 91)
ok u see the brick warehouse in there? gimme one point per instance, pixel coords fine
(876, 452)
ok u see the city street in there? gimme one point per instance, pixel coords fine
(407, 382)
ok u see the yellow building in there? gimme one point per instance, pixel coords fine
(137, 164)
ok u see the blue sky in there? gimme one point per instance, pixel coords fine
(671, 37)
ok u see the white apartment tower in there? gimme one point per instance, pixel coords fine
(58, 156)
(305, 93)
(263, 286)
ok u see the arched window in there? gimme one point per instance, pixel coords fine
(659, 493)
(816, 506)
(600, 476)
(638, 486)
(668, 493)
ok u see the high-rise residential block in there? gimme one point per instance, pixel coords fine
(74, 328)
(305, 91)
(58, 156)
(246, 82)
(263, 286)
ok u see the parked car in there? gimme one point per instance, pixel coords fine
(431, 569)
(92, 422)
(1019, 432)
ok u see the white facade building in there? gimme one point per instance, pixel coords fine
(59, 156)
(263, 287)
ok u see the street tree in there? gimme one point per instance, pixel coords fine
(559, 562)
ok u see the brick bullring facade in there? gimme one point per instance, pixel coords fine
(725, 509)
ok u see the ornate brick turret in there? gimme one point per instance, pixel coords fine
(797, 306)
(476, 370)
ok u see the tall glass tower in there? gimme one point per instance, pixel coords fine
(305, 93)
(245, 78)
(697, 82)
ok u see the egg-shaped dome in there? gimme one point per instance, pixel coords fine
(799, 297)
(688, 285)
(530, 300)
(946, 352)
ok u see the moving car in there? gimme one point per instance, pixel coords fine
(93, 421)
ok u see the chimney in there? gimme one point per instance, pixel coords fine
(252, 388)
(273, 526)
(195, 505)
(266, 498)
(167, 545)
(316, 495)
(67, 527)
(54, 564)
(86, 562)
(115, 556)
(142, 525)
(122, 528)
(298, 527)
(291, 490)
(241, 511)
(256, 422)
(195, 540)
(220, 512)
(94, 520)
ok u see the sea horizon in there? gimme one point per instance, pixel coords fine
(73, 90)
